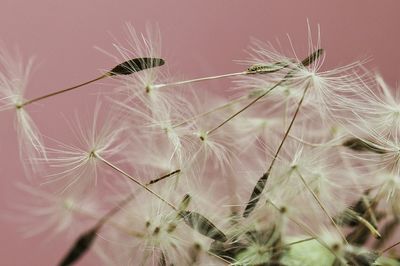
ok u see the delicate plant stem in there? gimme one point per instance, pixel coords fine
(244, 108)
(291, 243)
(223, 106)
(61, 91)
(218, 257)
(129, 198)
(390, 247)
(306, 229)
(136, 181)
(257, 69)
(299, 241)
(321, 206)
(261, 183)
(288, 129)
(177, 83)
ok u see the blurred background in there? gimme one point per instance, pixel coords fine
(199, 38)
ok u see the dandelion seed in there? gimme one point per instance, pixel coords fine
(14, 75)
(361, 145)
(54, 214)
(136, 65)
(76, 167)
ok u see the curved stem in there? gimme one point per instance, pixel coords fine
(129, 198)
(389, 248)
(225, 105)
(288, 129)
(321, 205)
(246, 107)
(61, 91)
(306, 229)
(136, 181)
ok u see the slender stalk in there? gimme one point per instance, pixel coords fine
(177, 83)
(321, 205)
(129, 198)
(288, 129)
(390, 247)
(291, 244)
(136, 181)
(218, 257)
(299, 241)
(61, 91)
(225, 105)
(255, 69)
(306, 229)
(237, 100)
(307, 61)
(262, 182)
(244, 108)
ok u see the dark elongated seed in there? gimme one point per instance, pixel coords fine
(360, 145)
(136, 65)
(255, 195)
(185, 202)
(264, 68)
(314, 56)
(363, 259)
(163, 261)
(163, 177)
(80, 247)
(202, 225)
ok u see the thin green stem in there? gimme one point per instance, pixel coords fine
(291, 244)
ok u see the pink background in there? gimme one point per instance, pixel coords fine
(199, 38)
